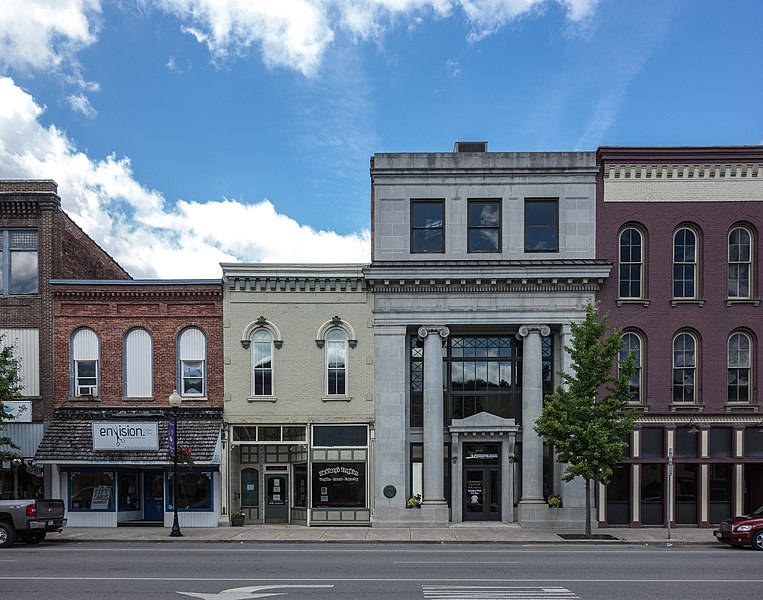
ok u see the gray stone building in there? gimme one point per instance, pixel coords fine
(480, 260)
(298, 371)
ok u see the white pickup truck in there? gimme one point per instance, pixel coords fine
(29, 520)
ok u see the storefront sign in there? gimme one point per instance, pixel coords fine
(341, 485)
(125, 436)
(20, 411)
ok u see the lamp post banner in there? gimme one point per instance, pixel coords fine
(171, 436)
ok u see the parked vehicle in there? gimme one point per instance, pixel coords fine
(29, 520)
(746, 530)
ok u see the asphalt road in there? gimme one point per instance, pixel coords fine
(229, 571)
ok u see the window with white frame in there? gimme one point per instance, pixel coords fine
(85, 358)
(684, 368)
(631, 269)
(632, 343)
(139, 374)
(336, 363)
(262, 363)
(685, 264)
(192, 353)
(739, 364)
(19, 272)
(740, 263)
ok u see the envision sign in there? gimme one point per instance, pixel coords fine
(125, 436)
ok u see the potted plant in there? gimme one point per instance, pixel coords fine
(237, 518)
(414, 501)
(554, 500)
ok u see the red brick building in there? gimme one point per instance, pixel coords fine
(682, 228)
(38, 242)
(121, 348)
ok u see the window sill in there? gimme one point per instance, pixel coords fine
(194, 399)
(85, 399)
(697, 301)
(745, 406)
(732, 301)
(336, 398)
(262, 399)
(637, 407)
(680, 406)
(642, 301)
(134, 399)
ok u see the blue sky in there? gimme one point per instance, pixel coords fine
(185, 133)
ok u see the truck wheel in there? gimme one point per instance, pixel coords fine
(757, 540)
(7, 534)
(32, 538)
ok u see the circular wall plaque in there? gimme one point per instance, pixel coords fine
(390, 491)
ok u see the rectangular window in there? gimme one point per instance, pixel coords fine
(753, 441)
(427, 226)
(542, 225)
(340, 435)
(300, 485)
(339, 485)
(91, 490)
(193, 377)
(128, 490)
(484, 224)
(19, 271)
(194, 491)
(652, 442)
(26, 348)
(686, 443)
(720, 442)
(87, 377)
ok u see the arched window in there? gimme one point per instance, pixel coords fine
(139, 375)
(262, 363)
(631, 263)
(336, 362)
(632, 343)
(740, 263)
(685, 264)
(739, 364)
(85, 358)
(192, 353)
(684, 368)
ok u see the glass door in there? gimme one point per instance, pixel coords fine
(276, 498)
(482, 494)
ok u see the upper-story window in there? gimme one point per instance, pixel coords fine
(632, 343)
(85, 358)
(684, 367)
(139, 372)
(685, 263)
(192, 359)
(262, 363)
(336, 363)
(740, 263)
(427, 226)
(484, 224)
(631, 263)
(18, 262)
(739, 363)
(541, 225)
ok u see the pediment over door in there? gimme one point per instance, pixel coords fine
(484, 423)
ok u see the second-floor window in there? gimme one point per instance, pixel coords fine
(685, 264)
(684, 368)
(632, 343)
(484, 224)
(631, 263)
(739, 363)
(192, 353)
(336, 363)
(85, 358)
(740, 263)
(139, 379)
(18, 262)
(427, 226)
(541, 225)
(262, 363)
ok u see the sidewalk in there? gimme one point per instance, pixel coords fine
(457, 533)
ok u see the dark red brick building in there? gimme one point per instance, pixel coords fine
(682, 229)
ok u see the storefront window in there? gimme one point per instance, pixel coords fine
(194, 491)
(300, 485)
(339, 485)
(91, 491)
(127, 490)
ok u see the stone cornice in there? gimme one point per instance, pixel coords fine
(683, 171)
(278, 283)
(692, 154)
(90, 293)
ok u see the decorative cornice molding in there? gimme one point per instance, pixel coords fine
(479, 286)
(212, 292)
(700, 171)
(295, 284)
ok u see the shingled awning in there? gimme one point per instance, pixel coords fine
(70, 441)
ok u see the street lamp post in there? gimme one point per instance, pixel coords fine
(175, 401)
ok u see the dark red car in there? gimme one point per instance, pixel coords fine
(746, 530)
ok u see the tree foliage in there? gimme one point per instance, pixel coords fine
(10, 389)
(586, 418)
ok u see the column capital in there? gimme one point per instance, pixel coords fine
(425, 330)
(526, 330)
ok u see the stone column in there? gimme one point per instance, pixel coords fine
(532, 404)
(434, 453)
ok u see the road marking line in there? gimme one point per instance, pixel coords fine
(381, 579)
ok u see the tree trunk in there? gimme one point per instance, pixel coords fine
(588, 509)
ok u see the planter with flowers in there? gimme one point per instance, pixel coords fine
(237, 518)
(414, 501)
(555, 501)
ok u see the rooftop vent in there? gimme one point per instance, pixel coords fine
(470, 147)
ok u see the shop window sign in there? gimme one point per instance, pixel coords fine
(339, 485)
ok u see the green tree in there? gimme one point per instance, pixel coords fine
(586, 418)
(10, 389)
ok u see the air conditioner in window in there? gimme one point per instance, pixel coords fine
(87, 390)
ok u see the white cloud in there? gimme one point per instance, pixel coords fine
(454, 67)
(137, 226)
(80, 103)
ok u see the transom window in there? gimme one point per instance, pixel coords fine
(193, 361)
(632, 343)
(740, 263)
(262, 363)
(85, 357)
(631, 263)
(684, 367)
(19, 273)
(427, 226)
(484, 224)
(739, 363)
(541, 225)
(336, 363)
(685, 263)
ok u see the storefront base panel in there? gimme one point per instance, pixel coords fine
(542, 516)
(411, 517)
(347, 516)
